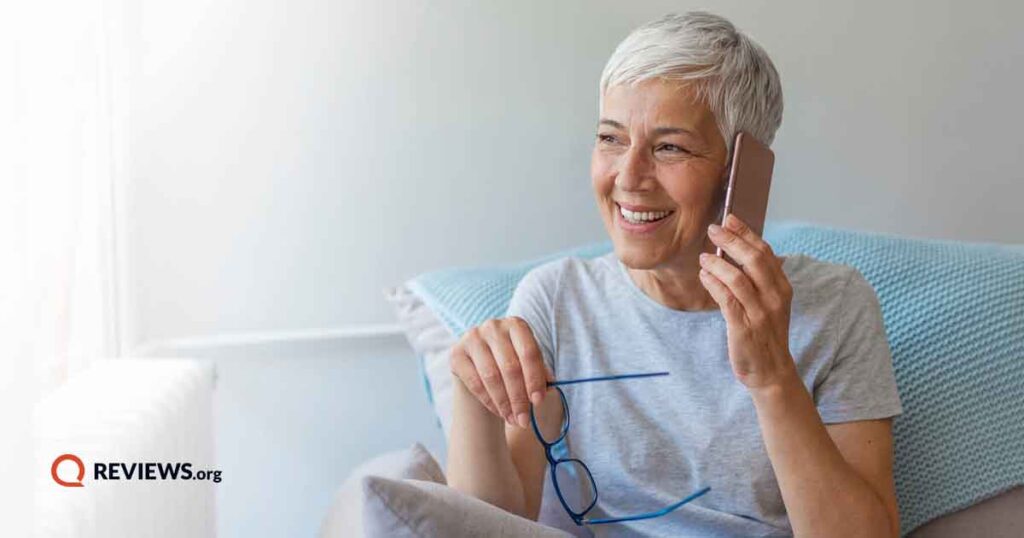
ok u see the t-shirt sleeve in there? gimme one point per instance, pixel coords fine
(533, 301)
(861, 384)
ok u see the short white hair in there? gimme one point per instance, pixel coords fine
(734, 76)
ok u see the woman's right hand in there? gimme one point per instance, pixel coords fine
(500, 363)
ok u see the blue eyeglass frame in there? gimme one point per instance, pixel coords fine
(579, 517)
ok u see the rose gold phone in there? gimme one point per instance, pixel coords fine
(750, 176)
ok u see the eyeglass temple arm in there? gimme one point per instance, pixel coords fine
(604, 378)
(649, 515)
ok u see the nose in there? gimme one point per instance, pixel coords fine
(635, 168)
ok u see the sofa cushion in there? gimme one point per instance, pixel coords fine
(1001, 516)
(345, 516)
(410, 508)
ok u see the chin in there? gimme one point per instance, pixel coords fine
(638, 256)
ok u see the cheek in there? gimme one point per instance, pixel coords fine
(601, 176)
(692, 198)
(692, 187)
(695, 197)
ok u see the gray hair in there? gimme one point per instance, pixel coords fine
(733, 75)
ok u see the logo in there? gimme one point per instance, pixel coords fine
(78, 462)
(133, 471)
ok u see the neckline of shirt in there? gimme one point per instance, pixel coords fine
(709, 316)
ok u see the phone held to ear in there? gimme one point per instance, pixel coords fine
(750, 177)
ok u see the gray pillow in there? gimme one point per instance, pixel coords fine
(420, 508)
(345, 517)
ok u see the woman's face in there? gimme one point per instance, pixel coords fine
(658, 150)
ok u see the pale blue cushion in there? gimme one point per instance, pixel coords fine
(954, 315)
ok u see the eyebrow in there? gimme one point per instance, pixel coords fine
(659, 130)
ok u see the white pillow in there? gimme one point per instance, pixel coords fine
(345, 517)
(410, 508)
(431, 340)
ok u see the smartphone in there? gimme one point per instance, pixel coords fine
(750, 177)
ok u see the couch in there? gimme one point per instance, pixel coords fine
(954, 315)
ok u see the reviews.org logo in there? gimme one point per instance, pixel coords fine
(131, 471)
(77, 461)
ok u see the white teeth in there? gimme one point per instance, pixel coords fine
(637, 217)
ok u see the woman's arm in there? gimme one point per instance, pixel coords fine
(497, 462)
(479, 461)
(497, 370)
(835, 480)
(829, 490)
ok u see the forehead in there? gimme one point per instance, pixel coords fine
(656, 101)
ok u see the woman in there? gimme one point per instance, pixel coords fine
(780, 390)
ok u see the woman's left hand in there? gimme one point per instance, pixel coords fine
(755, 300)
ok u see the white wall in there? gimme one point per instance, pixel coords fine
(289, 159)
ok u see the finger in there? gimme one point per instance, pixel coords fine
(535, 371)
(489, 373)
(752, 260)
(509, 363)
(742, 229)
(731, 308)
(464, 369)
(775, 291)
(737, 282)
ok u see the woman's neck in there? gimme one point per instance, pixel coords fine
(678, 289)
(677, 286)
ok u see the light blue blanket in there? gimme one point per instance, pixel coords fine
(954, 315)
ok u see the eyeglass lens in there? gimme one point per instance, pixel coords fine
(575, 484)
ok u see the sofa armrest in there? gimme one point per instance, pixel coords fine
(1001, 516)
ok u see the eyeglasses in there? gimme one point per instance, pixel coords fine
(577, 502)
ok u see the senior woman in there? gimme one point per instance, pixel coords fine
(780, 390)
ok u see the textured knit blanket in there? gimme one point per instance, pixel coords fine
(954, 317)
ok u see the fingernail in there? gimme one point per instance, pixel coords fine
(523, 420)
(703, 256)
(714, 228)
(536, 397)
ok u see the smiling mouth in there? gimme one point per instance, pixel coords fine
(642, 217)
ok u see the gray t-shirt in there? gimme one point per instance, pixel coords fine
(650, 442)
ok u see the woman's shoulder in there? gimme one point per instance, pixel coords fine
(810, 271)
(572, 266)
(552, 274)
(819, 281)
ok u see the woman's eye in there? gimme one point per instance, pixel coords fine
(605, 139)
(672, 148)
